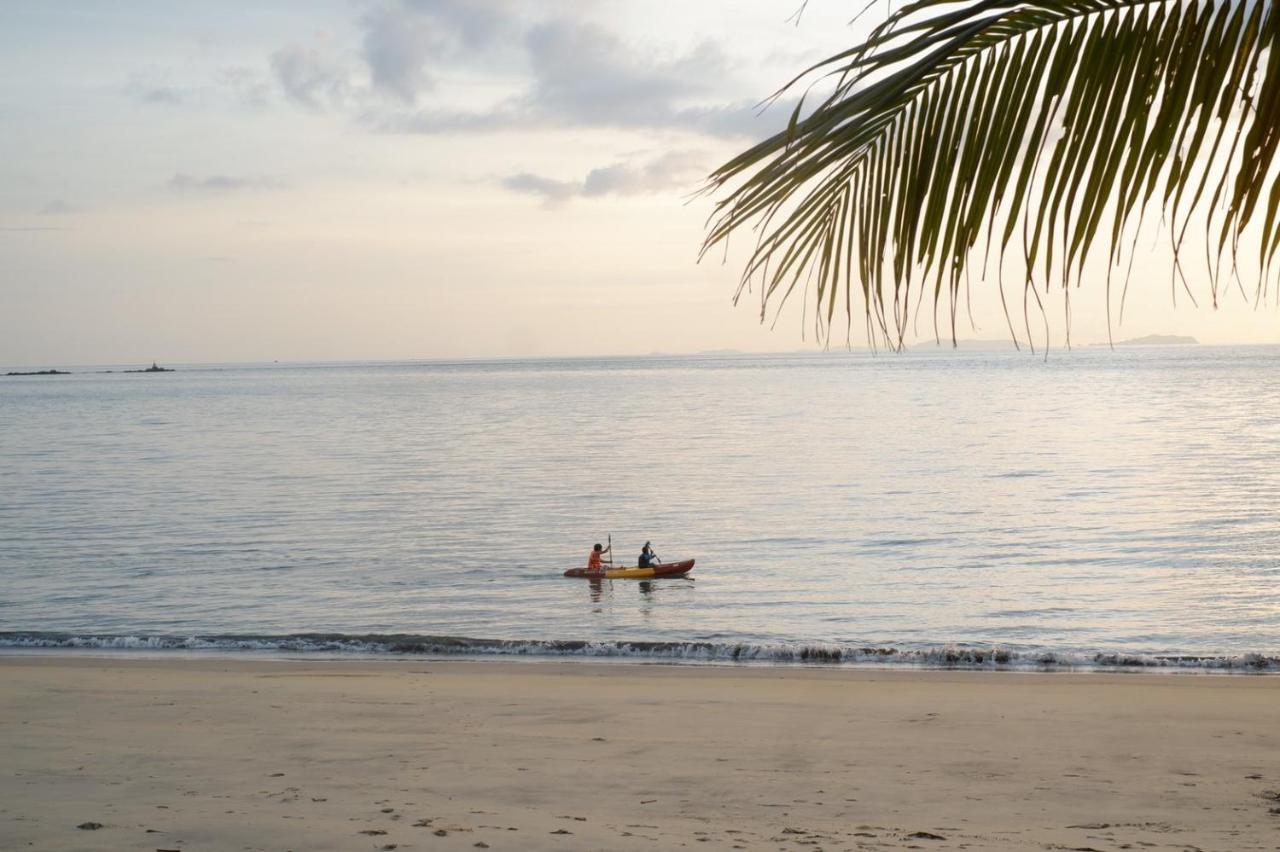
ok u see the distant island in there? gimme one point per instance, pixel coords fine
(1157, 340)
(154, 368)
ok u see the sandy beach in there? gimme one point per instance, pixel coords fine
(212, 754)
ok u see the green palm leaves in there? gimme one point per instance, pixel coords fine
(1045, 128)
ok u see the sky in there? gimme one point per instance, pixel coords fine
(404, 179)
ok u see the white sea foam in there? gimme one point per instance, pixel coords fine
(953, 656)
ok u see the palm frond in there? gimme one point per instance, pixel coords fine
(957, 128)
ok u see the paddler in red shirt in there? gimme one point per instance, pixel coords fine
(593, 559)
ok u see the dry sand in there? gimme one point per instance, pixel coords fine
(218, 754)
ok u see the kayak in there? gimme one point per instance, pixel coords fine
(662, 569)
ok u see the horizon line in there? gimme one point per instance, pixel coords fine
(704, 353)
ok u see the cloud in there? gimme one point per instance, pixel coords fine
(742, 119)
(405, 42)
(404, 46)
(673, 170)
(556, 71)
(186, 183)
(246, 86)
(163, 95)
(581, 75)
(676, 170)
(584, 73)
(309, 77)
(154, 86)
(397, 46)
(234, 84)
(550, 189)
(58, 207)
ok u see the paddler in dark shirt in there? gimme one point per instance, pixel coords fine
(647, 557)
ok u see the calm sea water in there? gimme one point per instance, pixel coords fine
(1104, 507)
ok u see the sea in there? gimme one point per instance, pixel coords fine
(1092, 509)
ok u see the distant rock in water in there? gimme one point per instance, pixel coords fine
(154, 368)
(1158, 340)
(42, 373)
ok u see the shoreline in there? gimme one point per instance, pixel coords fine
(989, 658)
(325, 658)
(364, 754)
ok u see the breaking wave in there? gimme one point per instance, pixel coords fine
(953, 657)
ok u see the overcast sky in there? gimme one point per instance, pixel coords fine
(404, 179)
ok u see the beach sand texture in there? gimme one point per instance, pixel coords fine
(216, 754)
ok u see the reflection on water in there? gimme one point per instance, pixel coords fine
(1118, 501)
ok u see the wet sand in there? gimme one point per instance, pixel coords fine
(238, 754)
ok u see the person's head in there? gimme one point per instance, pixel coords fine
(646, 545)
(599, 547)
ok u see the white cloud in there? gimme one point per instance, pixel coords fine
(581, 75)
(558, 71)
(397, 47)
(673, 171)
(405, 43)
(233, 84)
(247, 86)
(154, 85)
(163, 95)
(584, 73)
(58, 207)
(310, 77)
(553, 191)
(186, 183)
